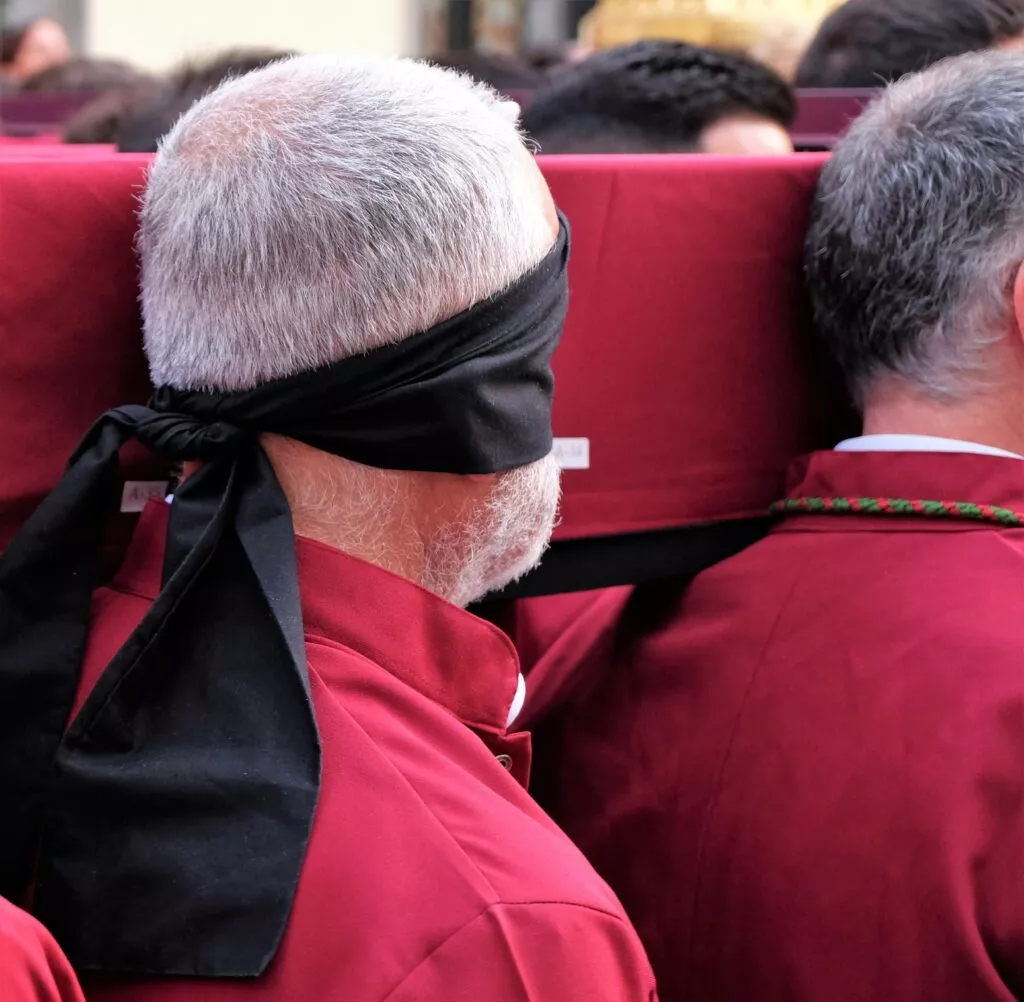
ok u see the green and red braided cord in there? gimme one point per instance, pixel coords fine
(957, 510)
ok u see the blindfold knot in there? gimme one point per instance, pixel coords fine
(182, 438)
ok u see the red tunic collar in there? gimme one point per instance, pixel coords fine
(932, 476)
(447, 654)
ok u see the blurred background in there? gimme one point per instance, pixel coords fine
(157, 34)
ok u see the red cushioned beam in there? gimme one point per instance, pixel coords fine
(32, 113)
(823, 116)
(70, 341)
(684, 362)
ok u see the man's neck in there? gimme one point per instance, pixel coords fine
(995, 421)
(378, 526)
(388, 543)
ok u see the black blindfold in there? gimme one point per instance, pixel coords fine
(166, 828)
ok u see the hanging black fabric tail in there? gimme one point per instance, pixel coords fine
(47, 577)
(176, 810)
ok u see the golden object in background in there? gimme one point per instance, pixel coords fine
(733, 24)
(497, 25)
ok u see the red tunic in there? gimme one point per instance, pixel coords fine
(431, 874)
(806, 779)
(32, 968)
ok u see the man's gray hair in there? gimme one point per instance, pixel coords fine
(918, 228)
(325, 206)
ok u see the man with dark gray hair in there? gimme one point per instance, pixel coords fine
(805, 780)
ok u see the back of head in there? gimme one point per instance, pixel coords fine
(652, 97)
(319, 209)
(867, 43)
(83, 74)
(142, 125)
(323, 207)
(918, 229)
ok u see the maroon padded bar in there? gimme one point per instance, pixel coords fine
(70, 333)
(685, 365)
(686, 362)
(33, 113)
(824, 115)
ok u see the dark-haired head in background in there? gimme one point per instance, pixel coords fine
(662, 97)
(100, 121)
(868, 43)
(116, 85)
(83, 75)
(143, 123)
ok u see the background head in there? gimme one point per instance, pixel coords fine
(85, 75)
(917, 236)
(662, 97)
(326, 206)
(867, 43)
(102, 119)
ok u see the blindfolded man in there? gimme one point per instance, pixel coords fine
(288, 758)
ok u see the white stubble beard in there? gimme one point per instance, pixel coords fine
(504, 537)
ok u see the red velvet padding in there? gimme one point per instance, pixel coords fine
(684, 362)
(823, 116)
(686, 358)
(70, 335)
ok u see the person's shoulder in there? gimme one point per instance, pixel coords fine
(541, 864)
(32, 967)
(937, 609)
(535, 951)
(878, 570)
(443, 827)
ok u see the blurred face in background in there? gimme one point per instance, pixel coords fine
(45, 45)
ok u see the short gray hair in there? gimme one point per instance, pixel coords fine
(918, 228)
(325, 206)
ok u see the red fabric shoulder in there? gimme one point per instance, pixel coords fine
(32, 967)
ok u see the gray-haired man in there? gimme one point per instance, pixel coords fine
(807, 783)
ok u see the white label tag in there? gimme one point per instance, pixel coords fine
(138, 492)
(572, 453)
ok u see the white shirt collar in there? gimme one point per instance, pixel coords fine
(518, 701)
(919, 443)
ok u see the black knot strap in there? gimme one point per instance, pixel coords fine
(187, 784)
(182, 438)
